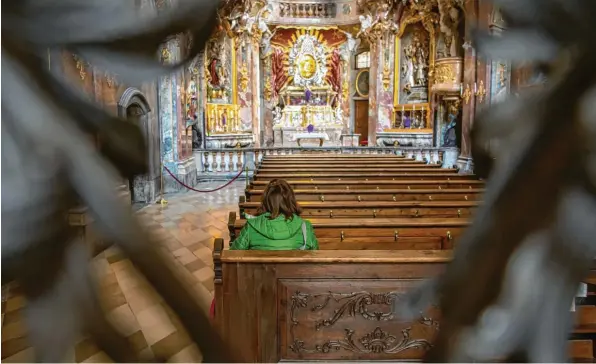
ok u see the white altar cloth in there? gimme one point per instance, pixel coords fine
(299, 136)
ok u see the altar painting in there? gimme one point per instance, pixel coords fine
(219, 69)
(306, 83)
(413, 59)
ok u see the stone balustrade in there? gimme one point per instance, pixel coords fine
(227, 162)
(307, 9)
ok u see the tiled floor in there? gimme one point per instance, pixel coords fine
(186, 228)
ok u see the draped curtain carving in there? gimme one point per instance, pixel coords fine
(334, 73)
(279, 76)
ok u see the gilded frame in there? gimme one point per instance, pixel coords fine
(358, 91)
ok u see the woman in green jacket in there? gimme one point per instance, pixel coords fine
(278, 225)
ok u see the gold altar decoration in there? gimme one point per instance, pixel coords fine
(81, 65)
(480, 92)
(243, 78)
(467, 94)
(412, 118)
(386, 73)
(223, 119)
(448, 75)
(267, 91)
(418, 12)
(422, 13)
(307, 66)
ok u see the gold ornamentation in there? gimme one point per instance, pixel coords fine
(267, 92)
(467, 94)
(110, 79)
(481, 92)
(307, 66)
(244, 78)
(345, 89)
(386, 73)
(444, 74)
(80, 64)
(166, 56)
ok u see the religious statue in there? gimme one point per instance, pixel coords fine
(197, 136)
(277, 115)
(365, 24)
(414, 68)
(449, 135)
(408, 67)
(421, 66)
(339, 115)
(448, 24)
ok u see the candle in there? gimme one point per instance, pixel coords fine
(461, 89)
(402, 115)
(475, 88)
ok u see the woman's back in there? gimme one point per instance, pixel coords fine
(280, 233)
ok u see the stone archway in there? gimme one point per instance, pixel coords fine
(133, 105)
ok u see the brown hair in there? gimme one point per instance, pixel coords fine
(279, 199)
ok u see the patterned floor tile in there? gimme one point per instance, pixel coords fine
(185, 229)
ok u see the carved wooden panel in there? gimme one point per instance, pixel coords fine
(349, 320)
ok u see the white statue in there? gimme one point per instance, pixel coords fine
(408, 66)
(421, 66)
(339, 115)
(277, 115)
(365, 24)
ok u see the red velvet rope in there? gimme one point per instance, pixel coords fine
(203, 191)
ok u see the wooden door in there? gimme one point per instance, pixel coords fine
(361, 119)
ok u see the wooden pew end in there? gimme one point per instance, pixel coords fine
(231, 222)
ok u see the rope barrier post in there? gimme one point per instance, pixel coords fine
(163, 201)
(246, 168)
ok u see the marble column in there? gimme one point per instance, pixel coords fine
(170, 114)
(372, 94)
(255, 91)
(385, 96)
(464, 161)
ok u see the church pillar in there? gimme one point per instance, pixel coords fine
(384, 80)
(172, 117)
(464, 161)
(372, 94)
(255, 91)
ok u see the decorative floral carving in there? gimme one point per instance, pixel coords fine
(81, 66)
(166, 56)
(376, 342)
(353, 304)
(444, 74)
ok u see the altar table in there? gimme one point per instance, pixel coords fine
(320, 136)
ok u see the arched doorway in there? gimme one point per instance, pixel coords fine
(133, 105)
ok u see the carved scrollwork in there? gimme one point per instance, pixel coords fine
(375, 342)
(444, 74)
(356, 304)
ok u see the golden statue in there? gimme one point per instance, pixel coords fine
(307, 66)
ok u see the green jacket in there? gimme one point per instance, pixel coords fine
(262, 233)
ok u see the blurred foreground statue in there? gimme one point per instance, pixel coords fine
(49, 165)
(508, 291)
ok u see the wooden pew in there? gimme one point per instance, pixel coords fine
(374, 209)
(452, 194)
(317, 162)
(361, 169)
(332, 156)
(274, 306)
(431, 174)
(378, 233)
(372, 167)
(306, 184)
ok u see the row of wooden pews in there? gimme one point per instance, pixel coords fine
(384, 223)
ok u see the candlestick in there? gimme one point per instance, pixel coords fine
(413, 116)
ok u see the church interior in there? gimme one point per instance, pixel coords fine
(366, 108)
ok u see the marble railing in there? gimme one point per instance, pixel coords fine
(229, 162)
